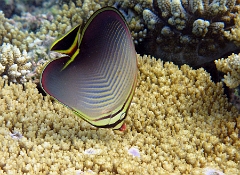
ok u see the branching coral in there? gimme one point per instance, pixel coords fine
(234, 34)
(19, 47)
(19, 40)
(132, 11)
(189, 31)
(181, 31)
(14, 65)
(179, 122)
(10, 32)
(230, 66)
(23, 32)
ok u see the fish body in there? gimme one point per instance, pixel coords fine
(97, 77)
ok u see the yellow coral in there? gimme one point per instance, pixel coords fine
(230, 66)
(179, 120)
(10, 33)
(234, 34)
(3, 31)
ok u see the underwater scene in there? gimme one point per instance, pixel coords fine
(120, 87)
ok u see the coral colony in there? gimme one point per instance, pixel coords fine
(179, 121)
(172, 106)
(185, 32)
(191, 31)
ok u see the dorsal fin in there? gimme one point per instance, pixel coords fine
(67, 44)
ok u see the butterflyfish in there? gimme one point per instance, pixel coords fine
(97, 76)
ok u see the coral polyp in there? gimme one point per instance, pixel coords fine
(189, 31)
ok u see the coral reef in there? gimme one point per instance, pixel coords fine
(11, 32)
(13, 7)
(133, 13)
(230, 66)
(234, 33)
(14, 65)
(189, 32)
(7, 6)
(34, 33)
(179, 122)
(185, 32)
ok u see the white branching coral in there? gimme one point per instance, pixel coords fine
(230, 66)
(14, 64)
